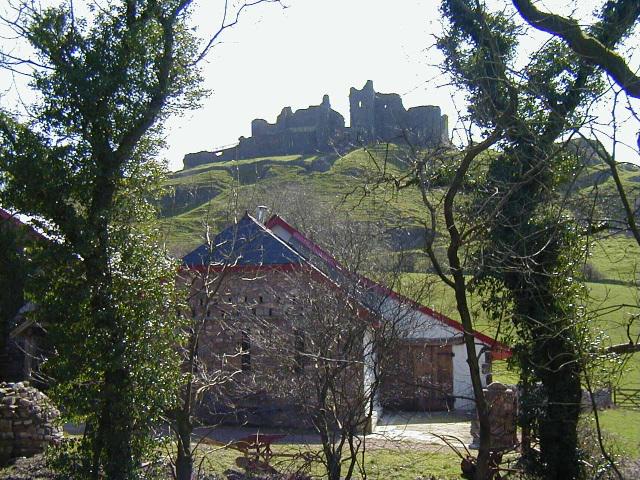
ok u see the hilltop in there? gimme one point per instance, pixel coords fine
(219, 190)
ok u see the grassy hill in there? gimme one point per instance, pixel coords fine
(301, 187)
(214, 193)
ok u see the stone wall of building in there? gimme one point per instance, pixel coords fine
(374, 117)
(27, 421)
(249, 333)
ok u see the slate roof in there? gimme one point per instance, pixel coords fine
(246, 244)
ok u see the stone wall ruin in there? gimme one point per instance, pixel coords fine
(27, 421)
(374, 117)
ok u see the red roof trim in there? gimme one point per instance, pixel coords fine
(315, 248)
(501, 352)
(32, 232)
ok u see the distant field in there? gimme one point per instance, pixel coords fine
(617, 258)
(622, 426)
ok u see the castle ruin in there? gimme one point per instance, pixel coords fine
(374, 117)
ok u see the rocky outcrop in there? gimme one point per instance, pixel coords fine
(27, 421)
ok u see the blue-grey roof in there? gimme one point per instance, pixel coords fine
(248, 243)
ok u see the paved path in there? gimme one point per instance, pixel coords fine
(424, 428)
(394, 430)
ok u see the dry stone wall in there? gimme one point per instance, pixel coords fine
(27, 421)
(503, 412)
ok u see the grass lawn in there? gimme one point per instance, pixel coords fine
(622, 427)
(400, 464)
(617, 258)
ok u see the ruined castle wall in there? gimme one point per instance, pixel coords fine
(191, 160)
(390, 117)
(261, 127)
(319, 129)
(362, 113)
(283, 143)
(444, 132)
(426, 123)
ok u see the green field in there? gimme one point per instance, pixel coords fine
(349, 186)
(400, 464)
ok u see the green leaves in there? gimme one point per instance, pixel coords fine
(85, 164)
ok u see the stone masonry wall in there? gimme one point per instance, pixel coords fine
(266, 382)
(27, 421)
(320, 129)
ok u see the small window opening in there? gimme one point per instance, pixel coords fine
(208, 313)
(271, 312)
(299, 350)
(260, 299)
(245, 352)
(201, 302)
(253, 311)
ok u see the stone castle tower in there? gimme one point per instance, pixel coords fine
(382, 117)
(374, 117)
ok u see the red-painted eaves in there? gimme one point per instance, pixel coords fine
(500, 351)
(32, 232)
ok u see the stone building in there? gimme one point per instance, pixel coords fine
(264, 270)
(381, 117)
(21, 337)
(374, 117)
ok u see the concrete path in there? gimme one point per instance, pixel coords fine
(424, 428)
(394, 430)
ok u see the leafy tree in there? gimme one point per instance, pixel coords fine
(531, 250)
(84, 164)
(14, 265)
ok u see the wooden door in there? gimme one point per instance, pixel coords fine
(433, 376)
(418, 376)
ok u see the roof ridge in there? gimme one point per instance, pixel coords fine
(278, 220)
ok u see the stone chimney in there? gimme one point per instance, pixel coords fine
(261, 213)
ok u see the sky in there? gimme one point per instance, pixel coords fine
(278, 57)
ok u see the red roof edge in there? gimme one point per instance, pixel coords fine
(9, 217)
(500, 351)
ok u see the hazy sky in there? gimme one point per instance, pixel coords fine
(275, 58)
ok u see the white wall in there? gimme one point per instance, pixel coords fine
(369, 379)
(418, 325)
(462, 380)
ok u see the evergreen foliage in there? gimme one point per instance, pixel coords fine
(84, 164)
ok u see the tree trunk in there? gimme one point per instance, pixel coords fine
(184, 459)
(334, 467)
(116, 427)
(558, 428)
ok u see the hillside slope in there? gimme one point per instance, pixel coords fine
(212, 194)
(306, 190)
